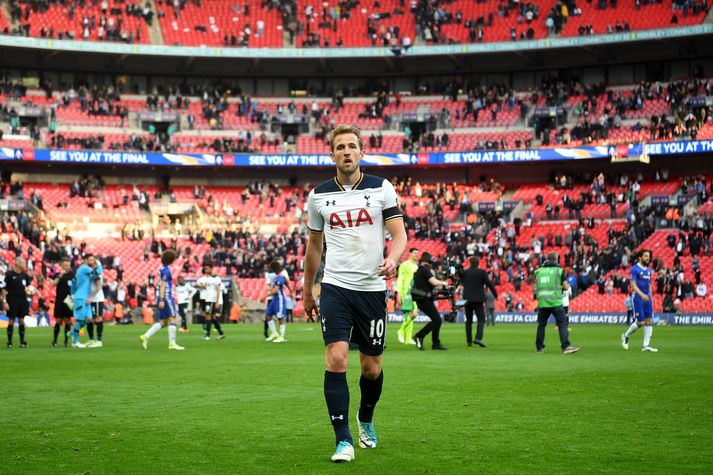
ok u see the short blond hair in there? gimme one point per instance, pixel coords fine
(346, 129)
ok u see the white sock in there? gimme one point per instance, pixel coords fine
(171, 334)
(154, 328)
(634, 326)
(271, 326)
(648, 331)
(282, 329)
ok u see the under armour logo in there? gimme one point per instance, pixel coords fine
(376, 341)
(324, 324)
(366, 197)
(331, 203)
(340, 417)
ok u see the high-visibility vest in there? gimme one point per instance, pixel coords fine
(548, 286)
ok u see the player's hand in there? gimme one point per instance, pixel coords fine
(398, 301)
(646, 298)
(310, 305)
(387, 268)
(6, 306)
(161, 304)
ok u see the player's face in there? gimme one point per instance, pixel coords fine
(21, 264)
(65, 266)
(181, 280)
(91, 262)
(413, 255)
(646, 258)
(346, 153)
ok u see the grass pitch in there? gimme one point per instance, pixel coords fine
(246, 406)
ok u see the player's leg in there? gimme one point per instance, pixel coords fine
(79, 323)
(407, 307)
(282, 320)
(216, 321)
(369, 333)
(336, 319)
(153, 329)
(648, 326)
(182, 307)
(207, 312)
(480, 314)
(469, 323)
(169, 314)
(408, 333)
(370, 384)
(639, 318)
(91, 323)
(543, 314)
(99, 322)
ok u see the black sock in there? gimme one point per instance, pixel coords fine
(10, 328)
(217, 326)
(265, 328)
(90, 330)
(336, 393)
(370, 394)
(208, 323)
(67, 329)
(100, 330)
(22, 333)
(57, 328)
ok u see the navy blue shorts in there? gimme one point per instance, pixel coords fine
(168, 310)
(350, 315)
(643, 310)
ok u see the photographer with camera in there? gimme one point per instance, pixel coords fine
(474, 281)
(423, 290)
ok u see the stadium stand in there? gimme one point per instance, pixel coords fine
(108, 20)
(221, 23)
(336, 23)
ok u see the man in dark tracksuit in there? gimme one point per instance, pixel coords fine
(549, 282)
(474, 281)
(424, 283)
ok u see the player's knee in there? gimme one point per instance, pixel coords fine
(337, 357)
(371, 370)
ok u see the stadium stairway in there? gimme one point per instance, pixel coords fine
(155, 32)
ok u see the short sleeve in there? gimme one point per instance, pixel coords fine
(315, 221)
(633, 273)
(390, 208)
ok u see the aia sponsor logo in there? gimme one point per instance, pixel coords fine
(28, 154)
(350, 219)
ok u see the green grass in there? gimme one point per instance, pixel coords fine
(245, 406)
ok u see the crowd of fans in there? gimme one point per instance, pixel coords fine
(236, 245)
(109, 25)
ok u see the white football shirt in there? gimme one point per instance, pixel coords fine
(352, 220)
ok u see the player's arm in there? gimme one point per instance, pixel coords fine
(313, 256)
(97, 287)
(394, 220)
(399, 241)
(638, 291)
(161, 293)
